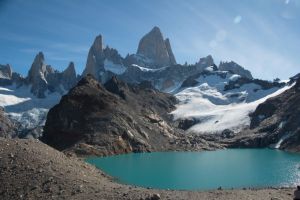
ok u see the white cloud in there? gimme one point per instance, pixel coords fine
(237, 19)
(287, 1)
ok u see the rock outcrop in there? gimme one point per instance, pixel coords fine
(7, 128)
(274, 123)
(69, 77)
(235, 69)
(36, 76)
(43, 78)
(110, 119)
(8, 77)
(206, 62)
(278, 119)
(97, 60)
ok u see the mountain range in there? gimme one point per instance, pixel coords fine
(134, 101)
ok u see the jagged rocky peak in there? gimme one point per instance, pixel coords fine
(36, 76)
(38, 67)
(42, 78)
(69, 77)
(99, 58)
(95, 58)
(235, 68)
(5, 71)
(205, 62)
(153, 47)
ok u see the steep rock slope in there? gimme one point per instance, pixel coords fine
(277, 120)
(110, 119)
(7, 128)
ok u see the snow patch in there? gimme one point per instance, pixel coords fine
(146, 69)
(115, 68)
(217, 109)
(22, 106)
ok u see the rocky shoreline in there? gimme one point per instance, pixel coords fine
(32, 170)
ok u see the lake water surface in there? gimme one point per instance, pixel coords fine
(231, 168)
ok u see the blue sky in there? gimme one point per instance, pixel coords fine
(261, 35)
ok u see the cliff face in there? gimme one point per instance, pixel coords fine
(278, 118)
(101, 62)
(110, 119)
(157, 50)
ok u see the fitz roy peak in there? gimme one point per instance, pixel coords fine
(153, 47)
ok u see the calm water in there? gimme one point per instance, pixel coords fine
(233, 168)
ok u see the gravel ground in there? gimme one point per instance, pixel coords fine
(30, 169)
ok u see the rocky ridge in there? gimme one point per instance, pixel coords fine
(115, 118)
(41, 78)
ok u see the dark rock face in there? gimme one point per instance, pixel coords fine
(235, 69)
(243, 80)
(279, 118)
(110, 119)
(187, 123)
(7, 128)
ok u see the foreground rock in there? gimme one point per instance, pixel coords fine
(32, 170)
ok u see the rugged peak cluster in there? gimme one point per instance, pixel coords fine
(42, 78)
(154, 62)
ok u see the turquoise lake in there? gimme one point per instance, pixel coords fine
(231, 168)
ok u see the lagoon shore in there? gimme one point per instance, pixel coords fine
(30, 169)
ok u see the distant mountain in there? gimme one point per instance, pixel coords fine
(156, 50)
(41, 79)
(102, 63)
(212, 98)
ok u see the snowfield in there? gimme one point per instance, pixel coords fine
(216, 109)
(22, 106)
